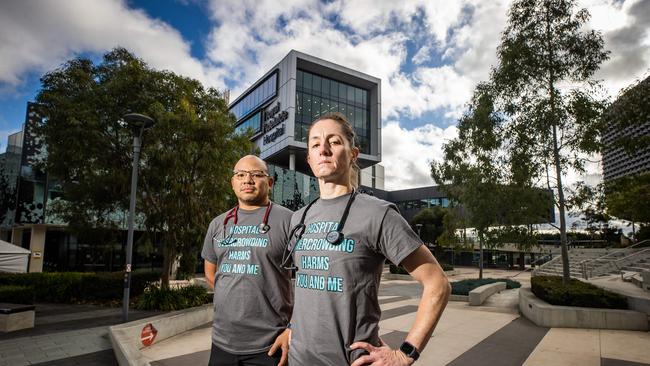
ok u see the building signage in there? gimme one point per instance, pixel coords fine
(272, 118)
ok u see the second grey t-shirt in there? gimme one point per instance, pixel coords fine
(252, 293)
(336, 286)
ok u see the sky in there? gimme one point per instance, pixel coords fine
(429, 54)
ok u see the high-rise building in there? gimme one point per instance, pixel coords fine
(616, 161)
(280, 106)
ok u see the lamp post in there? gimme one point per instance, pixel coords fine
(419, 227)
(138, 123)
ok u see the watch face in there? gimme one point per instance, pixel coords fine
(407, 348)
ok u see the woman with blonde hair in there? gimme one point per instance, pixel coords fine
(339, 246)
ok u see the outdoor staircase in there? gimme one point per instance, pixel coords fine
(588, 263)
(576, 257)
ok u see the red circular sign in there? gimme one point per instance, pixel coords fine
(148, 335)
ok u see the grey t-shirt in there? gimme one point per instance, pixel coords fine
(252, 293)
(337, 286)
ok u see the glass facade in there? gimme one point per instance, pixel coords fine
(317, 95)
(292, 189)
(422, 203)
(258, 96)
(254, 122)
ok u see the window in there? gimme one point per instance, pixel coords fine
(256, 97)
(317, 95)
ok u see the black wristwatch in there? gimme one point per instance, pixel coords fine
(410, 350)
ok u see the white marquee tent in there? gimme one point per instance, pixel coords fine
(13, 258)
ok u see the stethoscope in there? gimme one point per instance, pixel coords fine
(232, 214)
(334, 237)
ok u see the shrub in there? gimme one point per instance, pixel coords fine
(575, 293)
(463, 287)
(446, 267)
(70, 287)
(17, 294)
(397, 269)
(165, 298)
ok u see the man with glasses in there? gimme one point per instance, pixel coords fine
(243, 262)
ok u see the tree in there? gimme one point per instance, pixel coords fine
(186, 159)
(432, 221)
(546, 90)
(628, 198)
(590, 205)
(469, 171)
(7, 193)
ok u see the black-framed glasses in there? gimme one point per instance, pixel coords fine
(255, 174)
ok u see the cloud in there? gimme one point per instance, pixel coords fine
(628, 39)
(39, 36)
(429, 54)
(407, 153)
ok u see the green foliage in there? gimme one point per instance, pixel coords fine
(463, 287)
(397, 270)
(575, 293)
(432, 221)
(72, 287)
(628, 198)
(17, 294)
(166, 299)
(536, 118)
(186, 158)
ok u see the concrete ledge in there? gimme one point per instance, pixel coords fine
(478, 295)
(126, 338)
(16, 317)
(546, 315)
(646, 280)
(453, 297)
(17, 321)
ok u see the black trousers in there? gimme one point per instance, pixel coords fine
(219, 357)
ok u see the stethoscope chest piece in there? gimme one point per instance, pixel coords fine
(264, 228)
(334, 237)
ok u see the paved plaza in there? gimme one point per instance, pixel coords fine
(492, 334)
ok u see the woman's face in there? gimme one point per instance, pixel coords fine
(330, 154)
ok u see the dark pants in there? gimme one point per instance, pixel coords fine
(219, 357)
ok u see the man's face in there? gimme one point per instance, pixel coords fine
(250, 182)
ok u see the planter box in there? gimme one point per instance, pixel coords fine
(544, 314)
(478, 295)
(127, 338)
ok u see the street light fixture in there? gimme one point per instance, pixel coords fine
(138, 123)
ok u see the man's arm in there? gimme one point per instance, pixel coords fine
(210, 270)
(425, 269)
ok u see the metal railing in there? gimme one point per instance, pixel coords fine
(610, 261)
